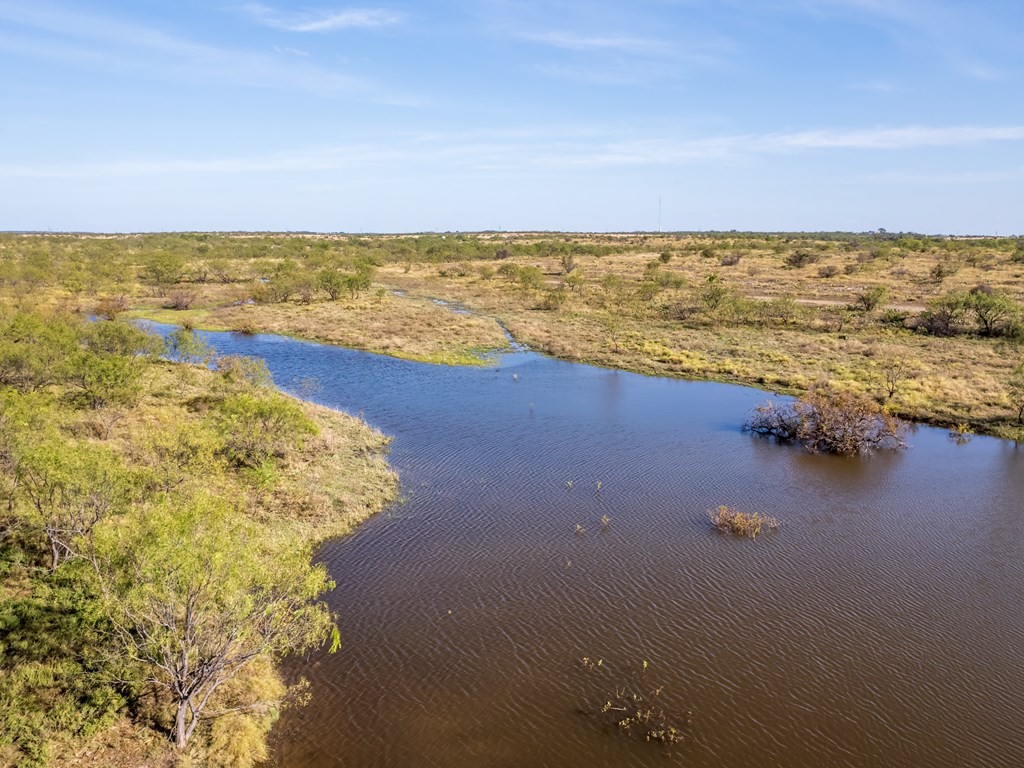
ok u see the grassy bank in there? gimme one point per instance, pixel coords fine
(102, 441)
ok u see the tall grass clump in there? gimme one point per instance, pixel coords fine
(729, 520)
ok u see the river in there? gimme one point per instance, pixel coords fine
(881, 625)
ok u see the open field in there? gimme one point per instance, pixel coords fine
(932, 326)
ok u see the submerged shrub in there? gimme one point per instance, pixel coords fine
(826, 420)
(729, 520)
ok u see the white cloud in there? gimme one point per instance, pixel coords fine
(548, 150)
(945, 178)
(322, 21)
(42, 30)
(575, 42)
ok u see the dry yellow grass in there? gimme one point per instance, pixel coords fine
(948, 380)
(599, 315)
(412, 328)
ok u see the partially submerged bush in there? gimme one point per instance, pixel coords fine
(631, 709)
(829, 421)
(729, 520)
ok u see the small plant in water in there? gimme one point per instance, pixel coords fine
(633, 708)
(729, 520)
(960, 433)
(598, 486)
(605, 521)
(580, 530)
(568, 484)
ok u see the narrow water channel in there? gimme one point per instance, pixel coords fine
(881, 625)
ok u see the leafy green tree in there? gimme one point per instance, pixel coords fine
(197, 594)
(163, 269)
(360, 280)
(332, 281)
(36, 350)
(69, 489)
(946, 314)
(991, 308)
(121, 338)
(255, 429)
(240, 372)
(530, 278)
(714, 294)
(870, 298)
(1015, 389)
(186, 347)
(108, 379)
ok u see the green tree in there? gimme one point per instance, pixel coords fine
(255, 429)
(945, 315)
(360, 280)
(69, 489)
(1015, 389)
(332, 282)
(991, 308)
(108, 379)
(714, 294)
(870, 298)
(36, 350)
(163, 269)
(186, 347)
(197, 594)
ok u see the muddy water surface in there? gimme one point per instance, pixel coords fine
(881, 625)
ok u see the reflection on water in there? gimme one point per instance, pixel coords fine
(880, 626)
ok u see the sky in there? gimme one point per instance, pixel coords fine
(460, 115)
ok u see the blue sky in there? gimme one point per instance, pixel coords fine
(509, 114)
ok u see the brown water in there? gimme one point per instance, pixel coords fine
(881, 625)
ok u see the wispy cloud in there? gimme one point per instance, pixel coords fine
(512, 152)
(876, 86)
(575, 42)
(606, 42)
(966, 36)
(292, 51)
(322, 20)
(945, 177)
(42, 30)
(891, 138)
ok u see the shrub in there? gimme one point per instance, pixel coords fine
(994, 311)
(826, 420)
(731, 259)
(942, 270)
(945, 315)
(893, 318)
(714, 293)
(163, 268)
(829, 270)
(180, 300)
(802, 258)
(256, 429)
(870, 298)
(729, 520)
(109, 307)
(530, 278)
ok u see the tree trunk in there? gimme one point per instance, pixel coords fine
(181, 732)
